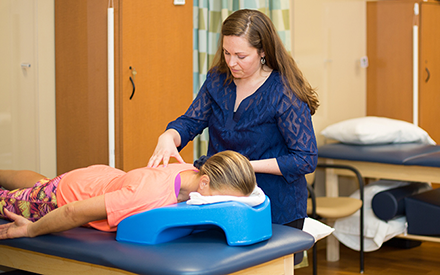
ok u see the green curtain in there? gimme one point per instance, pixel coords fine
(208, 18)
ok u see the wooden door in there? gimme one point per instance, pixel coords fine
(155, 40)
(390, 53)
(81, 83)
(429, 82)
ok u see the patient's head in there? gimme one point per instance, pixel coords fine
(229, 173)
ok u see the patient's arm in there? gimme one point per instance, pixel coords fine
(66, 217)
(14, 179)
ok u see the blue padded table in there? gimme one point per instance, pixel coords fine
(405, 161)
(88, 251)
(428, 159)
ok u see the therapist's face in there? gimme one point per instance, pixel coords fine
(243, 60)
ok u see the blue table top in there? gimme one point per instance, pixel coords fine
(399, 153)
(201, 253)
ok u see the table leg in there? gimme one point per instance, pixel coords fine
(332, 190)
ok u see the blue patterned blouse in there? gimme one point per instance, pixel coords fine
(266, 125)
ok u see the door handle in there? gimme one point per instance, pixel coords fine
(134, 88)
(429, 75)
(133, 72)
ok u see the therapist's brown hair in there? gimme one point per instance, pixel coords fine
(261, 34)
(229, 169)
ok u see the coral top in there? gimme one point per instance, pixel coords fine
(125, 194)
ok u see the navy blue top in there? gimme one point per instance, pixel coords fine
(267, 124)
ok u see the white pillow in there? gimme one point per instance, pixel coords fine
(376, 130)
(316, 228)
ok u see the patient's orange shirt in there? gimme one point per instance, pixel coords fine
(125, 194)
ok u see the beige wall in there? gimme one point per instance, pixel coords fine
(27, 96)
(328, 40)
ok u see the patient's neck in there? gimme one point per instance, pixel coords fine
(189, 183)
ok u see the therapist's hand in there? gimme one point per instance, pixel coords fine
(16, 229)
(166, 148)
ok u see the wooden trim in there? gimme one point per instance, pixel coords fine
(52, 265)
(388, 171)
(419, 238)
(283, 265)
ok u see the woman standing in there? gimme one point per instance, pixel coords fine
(254, 101)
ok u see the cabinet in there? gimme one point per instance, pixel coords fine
(154, 38)
(403, 77)
(429, 69)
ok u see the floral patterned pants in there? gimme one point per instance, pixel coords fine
(31, 203)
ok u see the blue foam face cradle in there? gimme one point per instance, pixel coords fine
(242, 224)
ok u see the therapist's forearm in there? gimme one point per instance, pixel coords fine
(268, 166)
(172, 134)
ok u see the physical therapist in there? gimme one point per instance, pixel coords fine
(255, 101)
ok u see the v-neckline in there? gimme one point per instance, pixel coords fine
(235, 115)
(247, 97)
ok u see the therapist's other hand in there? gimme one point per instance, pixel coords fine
(166, 148)
(16, 229)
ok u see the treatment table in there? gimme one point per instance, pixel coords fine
(403, 161)
(89, 251)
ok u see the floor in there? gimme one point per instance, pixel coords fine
(390, 259)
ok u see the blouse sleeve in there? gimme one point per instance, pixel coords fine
(295, 124)
(195, 118)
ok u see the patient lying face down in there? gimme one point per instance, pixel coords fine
(101, 196)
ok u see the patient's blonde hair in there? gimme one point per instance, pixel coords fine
(229, 169)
